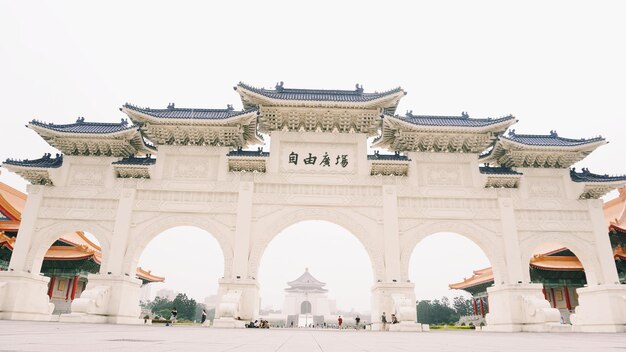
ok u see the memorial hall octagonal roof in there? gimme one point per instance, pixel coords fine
(306, 282)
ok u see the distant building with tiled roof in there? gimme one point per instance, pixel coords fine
(306, 301)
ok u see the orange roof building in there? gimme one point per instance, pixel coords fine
(67, 262)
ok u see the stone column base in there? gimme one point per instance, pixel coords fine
(409, 326)
(395, 298)
(228, 323)
(107, 299)
(24, 296)
(601, 308)
(237, 298)
(520, 307)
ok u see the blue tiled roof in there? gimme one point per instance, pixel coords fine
(552, 139)
(80, 126)
(498, 170)
(388, 157)
(189, 113)
(47, 161)
(240, 152)
(136, 161)
(281, 93)
(453, 121)
(586, 176)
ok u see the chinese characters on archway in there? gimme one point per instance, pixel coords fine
(324, 160)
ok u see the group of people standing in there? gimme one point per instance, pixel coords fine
(357, 320)
(174, 315)
(383, 320)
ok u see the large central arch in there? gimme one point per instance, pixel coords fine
(270, 226)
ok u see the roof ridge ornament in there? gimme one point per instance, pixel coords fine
(279, 86)
(171, 106)
(512, 132)
(229, 107)
(359, 88)
(124, 122)
(553, 133)
(465, 115)
(80, 119)
(409, 113)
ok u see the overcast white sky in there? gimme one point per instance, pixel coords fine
(555, 65)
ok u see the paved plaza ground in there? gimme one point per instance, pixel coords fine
(36, 336)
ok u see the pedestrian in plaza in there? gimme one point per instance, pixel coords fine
(340, 321)
(383, 320)
(394, 319)
(173, 315)
(357, 320)
(203, 316)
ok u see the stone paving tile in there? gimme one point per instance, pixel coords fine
(37, 336)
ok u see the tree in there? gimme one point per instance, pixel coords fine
(185, 306)
(437, 312)
(161, 306)
(463, 306)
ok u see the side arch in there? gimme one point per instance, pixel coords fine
(582, 248)
(361, 227)
(485, 239)
(141, 236)
(46, 237)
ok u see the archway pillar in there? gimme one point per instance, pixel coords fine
(601, 308)
(391, 233)
(395, 298)
(112, 299)
(23, 296)
(512, 252)
(237, 302)
(114, 264)
(521, 307)
(243, 227)
(607, 274)
(27, 231)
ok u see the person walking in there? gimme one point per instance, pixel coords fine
(203, 316)
(357, 320)
(383, 320)
(340, 321)
(173, 315)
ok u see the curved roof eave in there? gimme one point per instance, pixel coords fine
(142, 117)
(377, 102)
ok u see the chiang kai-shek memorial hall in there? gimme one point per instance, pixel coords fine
(127, 182)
